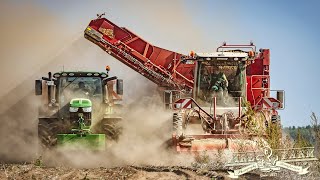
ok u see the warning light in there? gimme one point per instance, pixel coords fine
(107, 68)
(251, 54)
(191, 53)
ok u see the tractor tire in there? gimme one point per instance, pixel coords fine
(111, 127)
(178, 124)
(48, 130)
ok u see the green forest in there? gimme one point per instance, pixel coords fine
(305, 135)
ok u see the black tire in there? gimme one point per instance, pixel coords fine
(177, 124)
(48, 130)
(111, 127)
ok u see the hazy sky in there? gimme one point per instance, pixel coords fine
(288, 28)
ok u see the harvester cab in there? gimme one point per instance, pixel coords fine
(79, 109)
(227, 83)
(220, 75)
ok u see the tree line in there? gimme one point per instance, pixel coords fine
(304, 136)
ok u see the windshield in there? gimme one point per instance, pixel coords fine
(225, 81)
(80, 87)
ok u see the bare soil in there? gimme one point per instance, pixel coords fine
(30, 171)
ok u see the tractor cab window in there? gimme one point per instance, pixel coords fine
(225, 81)
(80, 87)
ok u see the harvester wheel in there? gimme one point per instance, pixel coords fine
(48, 130)
(177, 124)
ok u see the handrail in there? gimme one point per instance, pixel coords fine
(232, 46)
(200, 109)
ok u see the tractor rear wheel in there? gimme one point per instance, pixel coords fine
(48, 130)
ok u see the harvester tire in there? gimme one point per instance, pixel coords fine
(178, 124)
(48, 130)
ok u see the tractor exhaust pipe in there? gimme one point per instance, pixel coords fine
(51, 89)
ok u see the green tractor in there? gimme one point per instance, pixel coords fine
(79, 109)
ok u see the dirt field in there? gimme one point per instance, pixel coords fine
(30, 171)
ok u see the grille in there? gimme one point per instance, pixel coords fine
(86, 115)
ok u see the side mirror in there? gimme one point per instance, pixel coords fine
(280, 97)
(38, 87)
(120, 86)
(107, 79)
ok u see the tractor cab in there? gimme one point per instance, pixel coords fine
(79, 85)
(78, 104)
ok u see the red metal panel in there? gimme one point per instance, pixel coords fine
(138, 45)
(256, 82)
(258, 79)
(255, 68)
(266, 57)
(261, 64)
(150, 50)
(250, 95)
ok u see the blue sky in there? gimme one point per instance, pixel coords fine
(288, 28)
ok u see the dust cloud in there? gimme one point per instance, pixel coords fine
(146, 140)
(27, 41)
(32, 45)
(147, 134)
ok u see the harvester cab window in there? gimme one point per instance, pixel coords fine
(225, 82)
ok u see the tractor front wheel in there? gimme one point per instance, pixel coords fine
(111, 127)
(48, 130)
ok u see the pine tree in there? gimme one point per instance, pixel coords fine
(301, 142)
(274, 135)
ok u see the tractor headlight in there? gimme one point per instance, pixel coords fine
(73, 109)
(87, 109)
